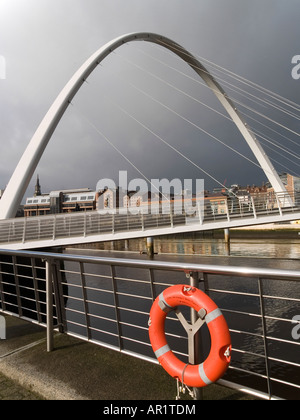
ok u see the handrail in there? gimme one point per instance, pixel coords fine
(293, 275)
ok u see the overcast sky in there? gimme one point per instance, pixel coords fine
(44, 42)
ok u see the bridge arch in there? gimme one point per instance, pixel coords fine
(23, 173)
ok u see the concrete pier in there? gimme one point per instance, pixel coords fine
(150, 246)
(227, 241)
(227, 235)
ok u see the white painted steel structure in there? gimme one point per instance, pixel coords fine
(23, 173)
(86, 227)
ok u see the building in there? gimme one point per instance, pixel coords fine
(64, 201)
(215, 204)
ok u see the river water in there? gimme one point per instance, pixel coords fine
(262, 253)
(267, 253)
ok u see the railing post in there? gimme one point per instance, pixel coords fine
(264, 331)
(116, 303)
(85, 225)
(200, 213)
(278, 204)
(195, 346)
(54, 228)
(143, 222)
(49, 306)
(113, 222)
(24, 230)
(253, 207)
(227, 211)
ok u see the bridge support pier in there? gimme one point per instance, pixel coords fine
(227, 240)
(227, 235)
(150, 246)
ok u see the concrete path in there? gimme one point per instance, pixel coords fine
(77, 370)
(10, 390)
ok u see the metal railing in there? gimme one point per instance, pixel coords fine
(94, 223)
(107, 301)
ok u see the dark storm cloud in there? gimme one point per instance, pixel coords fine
(45, 41)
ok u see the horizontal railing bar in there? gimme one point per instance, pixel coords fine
(71, 284)
(94, 289)
(287, 362)
(249, 372)
(132, 295)
(107, 305)
(140, 327)
(132, 280)
(15, 315)
(281, 298)
(231, 292)
(241, 312)
(100, 276)
(262, 356)
(282, 340)
(102, 317)
(285, 383)
(245, 332)
(247, 390)
(91, 328)
(133, 310)
(273, 318)
(281, 274)
(146, 344)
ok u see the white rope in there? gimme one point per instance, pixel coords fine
(196, 100)
(254, 98)
(117, 149)
(168, 144)
(246, 82)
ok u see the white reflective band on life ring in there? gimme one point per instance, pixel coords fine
(203, 375)
(160, 352)
(213, 315)
(163, 304)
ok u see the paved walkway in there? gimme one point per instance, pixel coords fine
(77, 370)
(10, 390)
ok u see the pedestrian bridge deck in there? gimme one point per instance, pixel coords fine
(88, 227)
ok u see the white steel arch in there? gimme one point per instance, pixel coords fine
(23, 173)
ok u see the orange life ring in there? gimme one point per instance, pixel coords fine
(217, 362)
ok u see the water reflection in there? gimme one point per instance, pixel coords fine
(260, 248)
